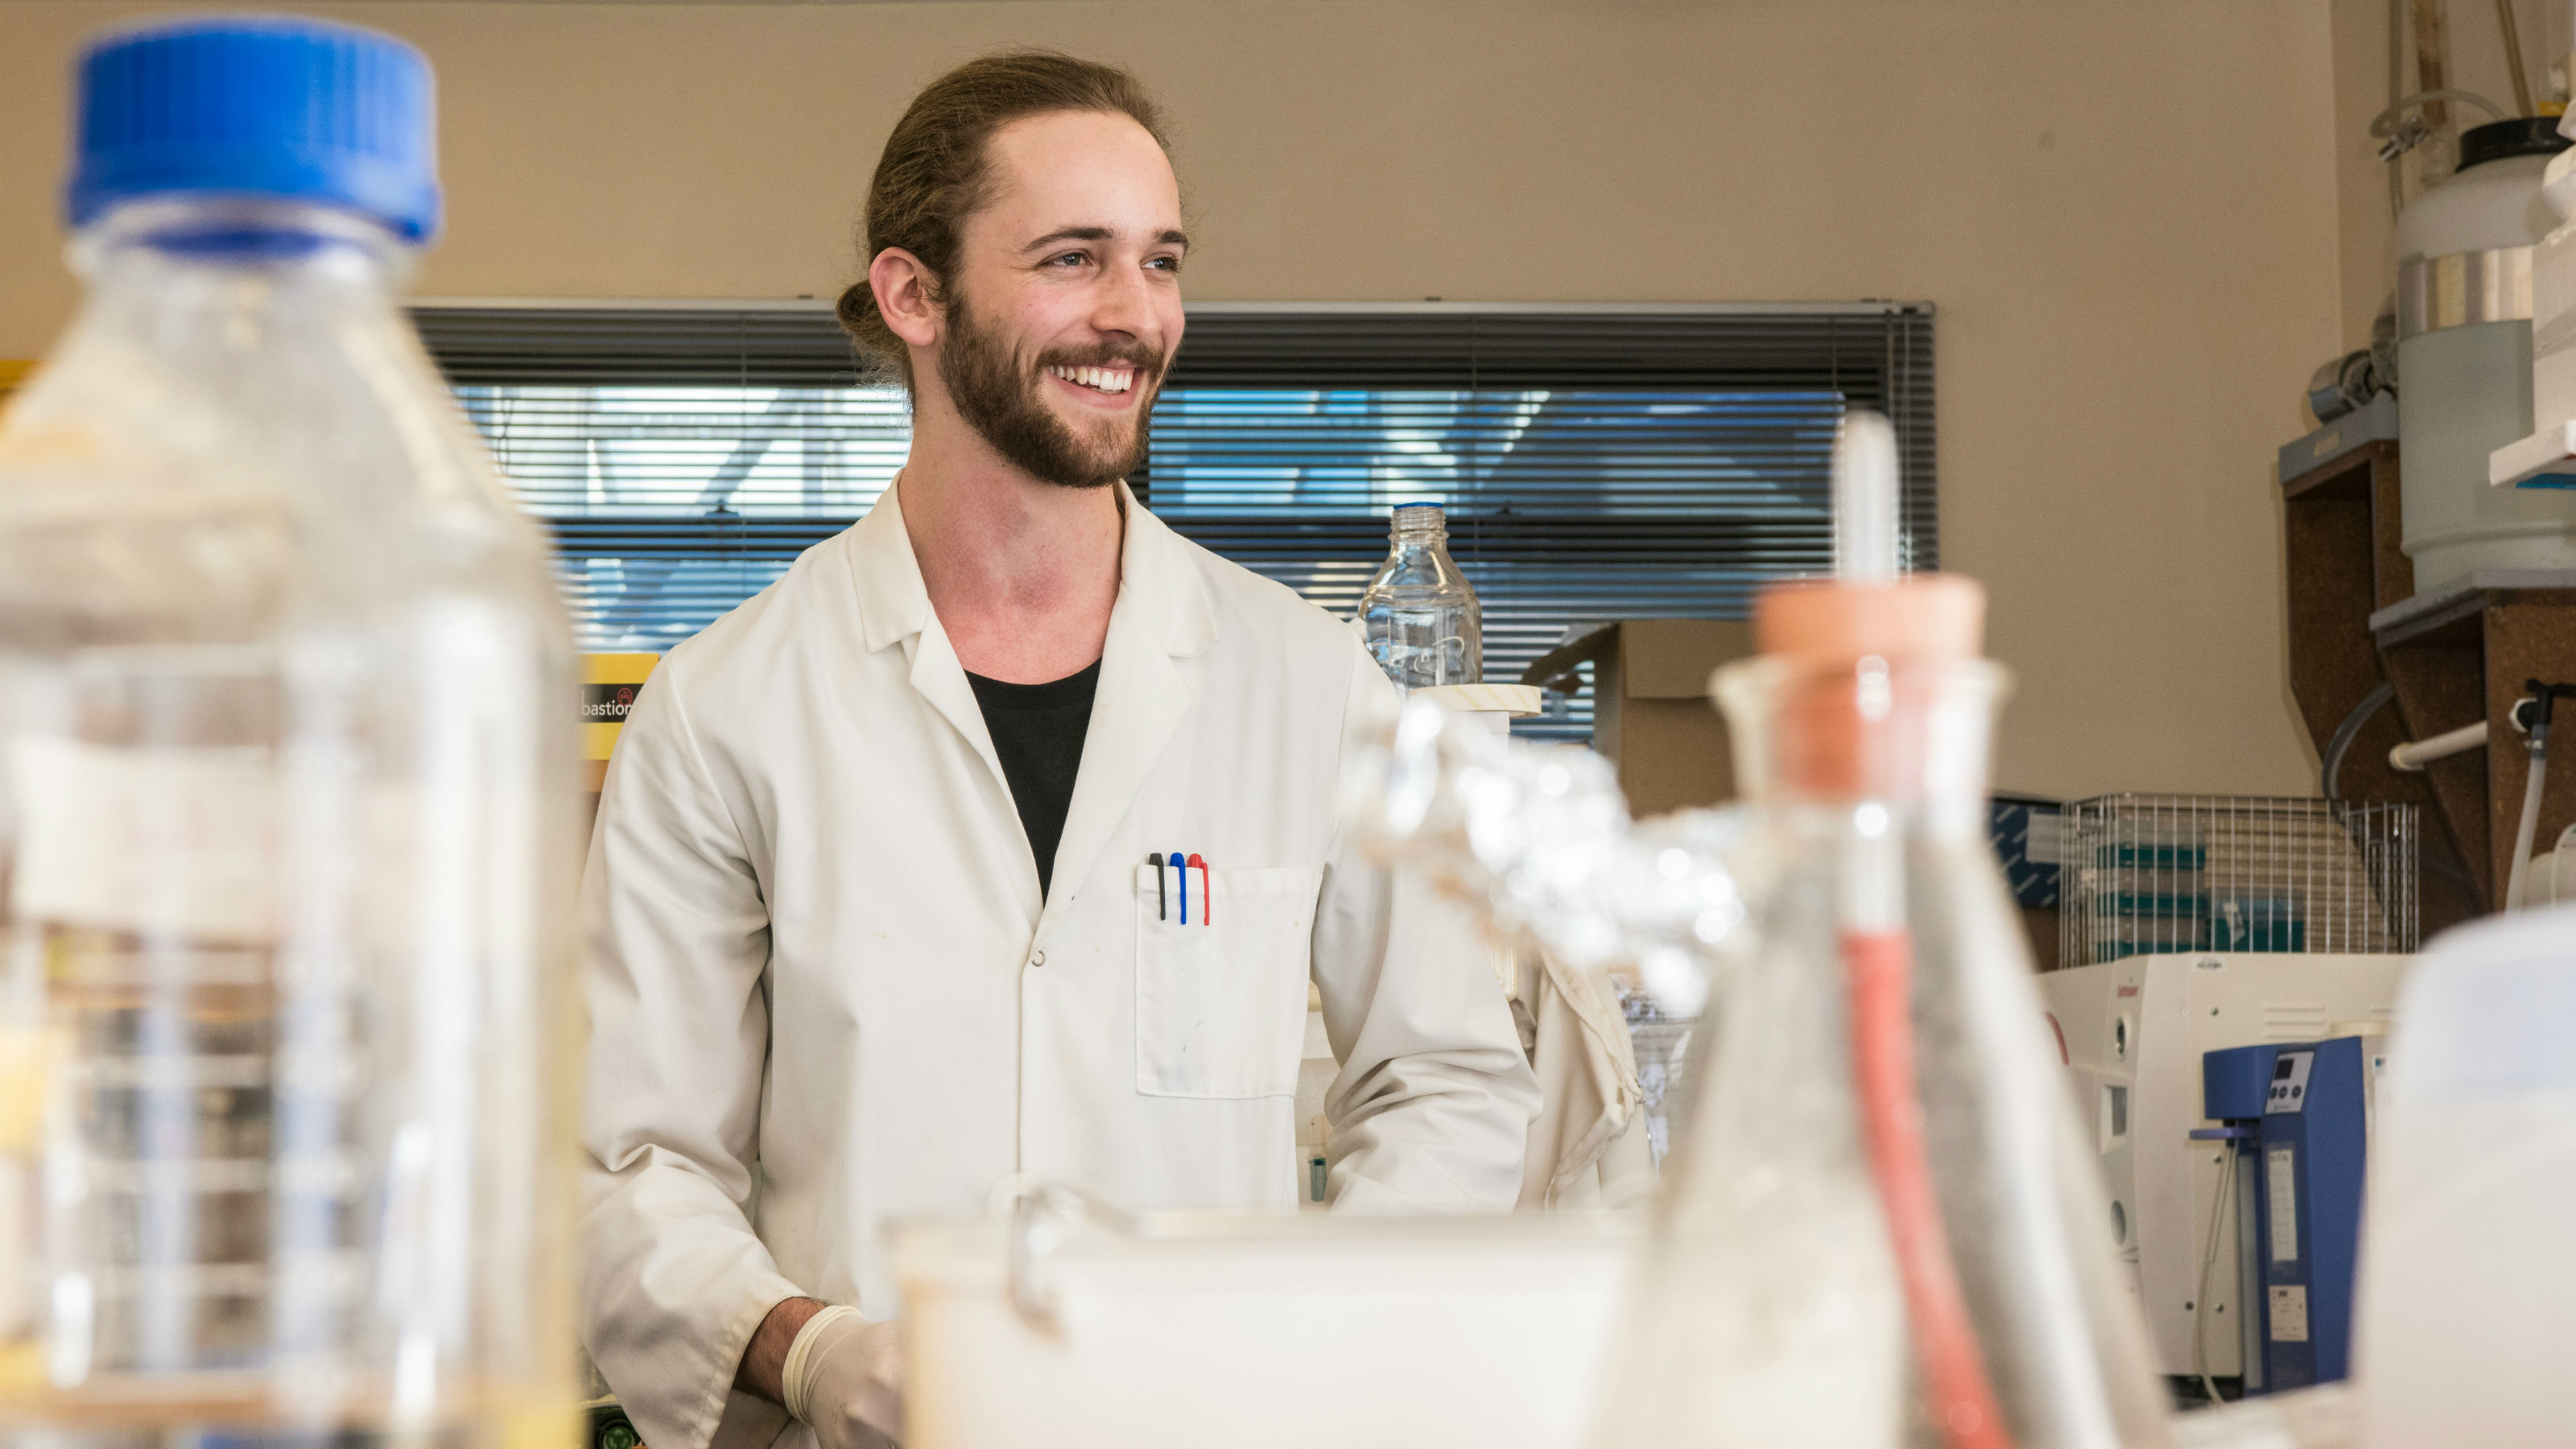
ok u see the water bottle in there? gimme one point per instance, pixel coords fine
(1419, 616)
(287, 822)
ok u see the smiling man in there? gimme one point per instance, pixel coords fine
(997, 838)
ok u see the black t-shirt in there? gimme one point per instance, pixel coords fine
(1037, 732)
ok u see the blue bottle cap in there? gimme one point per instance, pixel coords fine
(270, 106)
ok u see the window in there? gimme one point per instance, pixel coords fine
(1596, 462)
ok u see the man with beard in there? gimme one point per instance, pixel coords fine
(997, 838)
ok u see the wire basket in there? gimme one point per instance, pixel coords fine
(2144, 874)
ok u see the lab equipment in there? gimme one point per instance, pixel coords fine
(1063, 1323)
(1873, 1000)
(2345, 386)
(2190, 873)
(2132, 1034)
(2468, 1267)
(2294, 1118)
(1419, 615)
(2533, 712)
(287, 746)
(2464, 360)
(2547, 458)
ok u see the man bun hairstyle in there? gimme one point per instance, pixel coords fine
(935, 172)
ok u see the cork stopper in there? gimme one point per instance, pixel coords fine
(1918, 617)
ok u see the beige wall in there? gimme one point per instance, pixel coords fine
(2127, 213)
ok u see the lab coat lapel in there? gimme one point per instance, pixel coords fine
(1163, 618)
(894, 606)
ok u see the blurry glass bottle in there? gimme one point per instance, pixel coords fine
(1419, 616)
(1880, 1226)
(286, 813)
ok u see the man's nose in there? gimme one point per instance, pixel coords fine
(1123, 305)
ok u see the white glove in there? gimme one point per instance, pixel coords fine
(844, 1376)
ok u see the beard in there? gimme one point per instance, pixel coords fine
(1001, 401)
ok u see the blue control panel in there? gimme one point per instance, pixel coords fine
(2301, 1113)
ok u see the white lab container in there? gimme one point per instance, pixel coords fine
(2467, 1320)
(2553, 301)
(1272, 1331)
(2464, 373)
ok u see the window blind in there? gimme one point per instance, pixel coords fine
(1596, 462)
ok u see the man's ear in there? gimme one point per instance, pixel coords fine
(907, 296)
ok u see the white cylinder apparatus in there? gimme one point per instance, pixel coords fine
(2464, 254)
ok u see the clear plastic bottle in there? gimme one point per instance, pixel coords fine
(287, 1063)
(1420, 617)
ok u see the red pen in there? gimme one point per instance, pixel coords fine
(1207, 891)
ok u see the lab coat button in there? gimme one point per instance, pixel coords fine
(1038, 960)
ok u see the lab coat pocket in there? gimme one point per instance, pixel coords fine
(1221, 1001)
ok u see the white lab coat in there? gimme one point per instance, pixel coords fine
(823, 992)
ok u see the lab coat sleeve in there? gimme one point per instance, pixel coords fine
(1432, 1107)
(676, 1280)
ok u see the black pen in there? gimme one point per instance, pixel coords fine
(1156, 861)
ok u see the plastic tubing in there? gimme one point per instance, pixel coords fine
(2414, 755)
(1879, 966)
(2346, 732)
(2381, 124)
(2522, 835)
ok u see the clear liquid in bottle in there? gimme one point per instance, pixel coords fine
(1419, 615)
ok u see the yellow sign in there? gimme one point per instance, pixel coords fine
(609, 684)
(13, 374)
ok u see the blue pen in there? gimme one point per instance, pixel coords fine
(1177, 858)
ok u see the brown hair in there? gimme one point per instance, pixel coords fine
(934, 173)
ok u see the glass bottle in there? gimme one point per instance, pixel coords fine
(1880, 1226)
(1419, 616)
(287, 1059)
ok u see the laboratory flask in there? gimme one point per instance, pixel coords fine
(1420, 618)
(1879, 1226)
(286, 814)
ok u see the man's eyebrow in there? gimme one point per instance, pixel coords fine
(1069, 233)
(1176, 238)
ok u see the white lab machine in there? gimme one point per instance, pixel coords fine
(2132, 1033)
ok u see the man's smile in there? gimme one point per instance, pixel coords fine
(1114, 379)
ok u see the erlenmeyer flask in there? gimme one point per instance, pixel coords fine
(1880, 1225)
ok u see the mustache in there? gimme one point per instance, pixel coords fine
(1148, 361)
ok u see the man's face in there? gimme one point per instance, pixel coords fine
(1065, 306)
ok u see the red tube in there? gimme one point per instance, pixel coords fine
(1880, 965)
